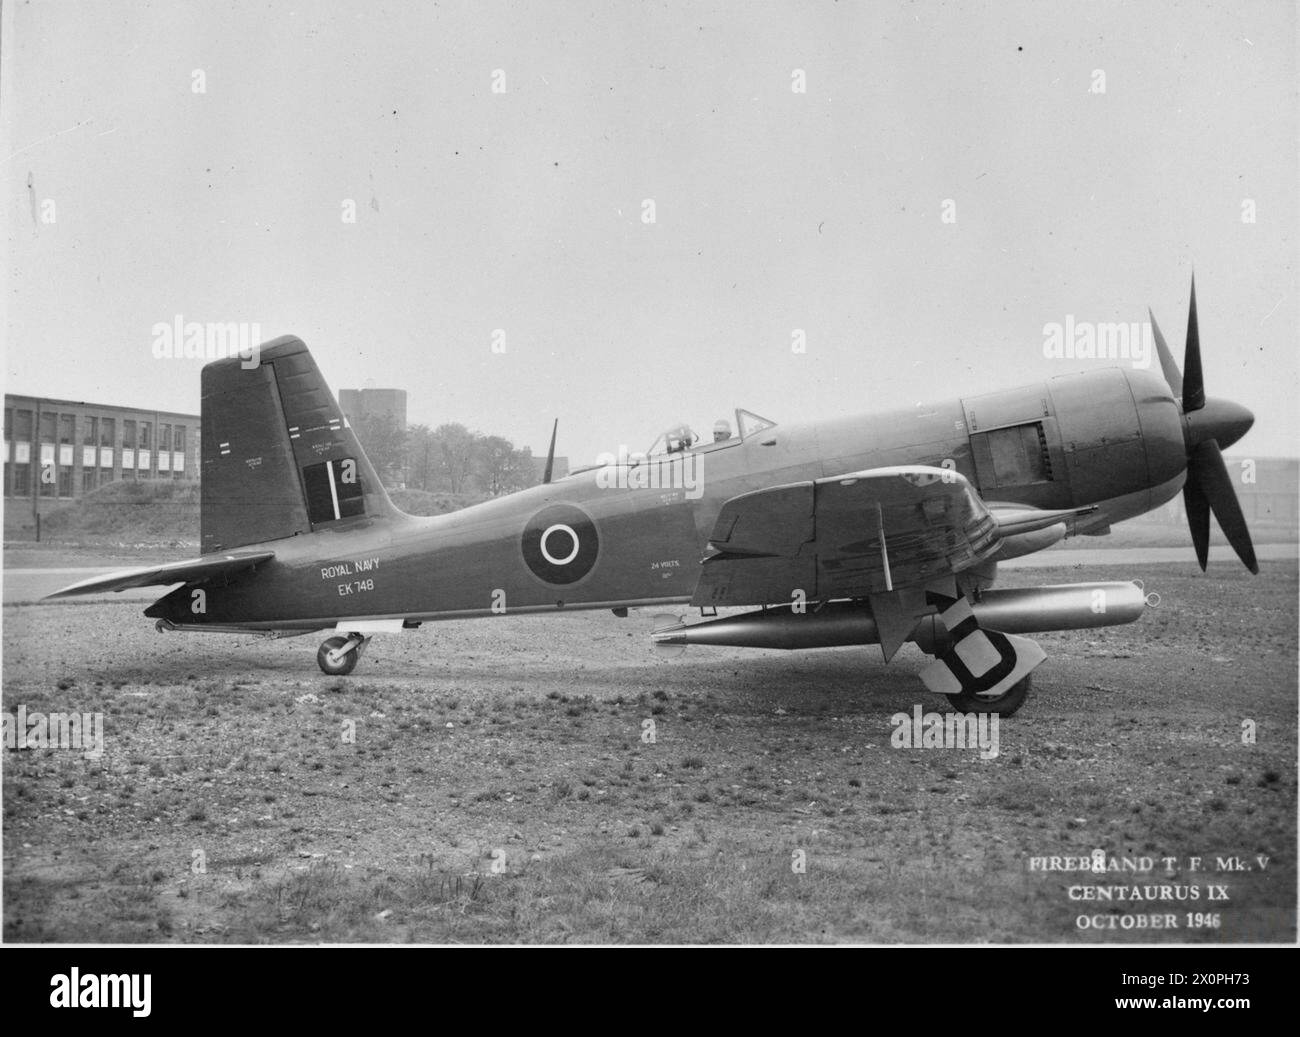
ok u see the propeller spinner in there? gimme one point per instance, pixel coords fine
(1209, 424)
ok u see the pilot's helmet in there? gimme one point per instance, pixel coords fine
(721, 430)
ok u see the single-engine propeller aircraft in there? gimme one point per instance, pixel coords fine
(878, 529)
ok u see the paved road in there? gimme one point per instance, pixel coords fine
(25, 585)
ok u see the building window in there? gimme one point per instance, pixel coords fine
(48, 451)
(128, 448)
(9, 449)
(107, 447)
(178, 452)
(89, 453)
(144, 455)
(23, 435)
(164, 450)
(67, 449)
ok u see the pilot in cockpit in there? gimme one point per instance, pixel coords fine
(679, 439)
(721, 430)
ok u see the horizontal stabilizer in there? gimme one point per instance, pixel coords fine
(195, 570)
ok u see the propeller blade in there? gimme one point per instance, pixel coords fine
(1167, 365)
(1193, 380)
(1214, 486)
(1198, 518)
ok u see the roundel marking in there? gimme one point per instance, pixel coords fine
(560, 544)
(572, 541)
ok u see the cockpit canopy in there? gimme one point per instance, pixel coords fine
(682, 438)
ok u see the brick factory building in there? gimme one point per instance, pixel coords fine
(58, 450)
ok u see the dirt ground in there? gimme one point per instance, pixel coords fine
(552, 780)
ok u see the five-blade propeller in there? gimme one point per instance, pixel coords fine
(1208, 425)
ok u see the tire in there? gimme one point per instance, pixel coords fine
(1004, 705)
(342, 668)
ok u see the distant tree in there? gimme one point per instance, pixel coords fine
(452, 457)
(500, 468)
(526, 473)
(384, 441)
(419, 457)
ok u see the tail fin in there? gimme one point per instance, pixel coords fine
(278, 457)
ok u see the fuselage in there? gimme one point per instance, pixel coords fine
(633, 534)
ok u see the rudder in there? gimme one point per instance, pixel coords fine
(278, 457)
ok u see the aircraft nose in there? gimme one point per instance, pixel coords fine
(1221, 420)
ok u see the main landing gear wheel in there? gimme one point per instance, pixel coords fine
(338, 656)
(1003, 705)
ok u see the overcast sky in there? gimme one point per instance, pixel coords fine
(523, 210)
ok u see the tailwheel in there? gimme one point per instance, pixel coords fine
(1004, 705)
(338, 656)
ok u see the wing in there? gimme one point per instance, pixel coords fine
(854, 535)
(886, 535)
(857, 535)
(193, 571)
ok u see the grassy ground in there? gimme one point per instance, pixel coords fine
(500, 787)
(129, 515)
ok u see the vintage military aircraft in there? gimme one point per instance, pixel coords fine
(880, 529)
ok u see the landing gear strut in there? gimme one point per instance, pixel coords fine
(1003, 705)
(338, 656)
